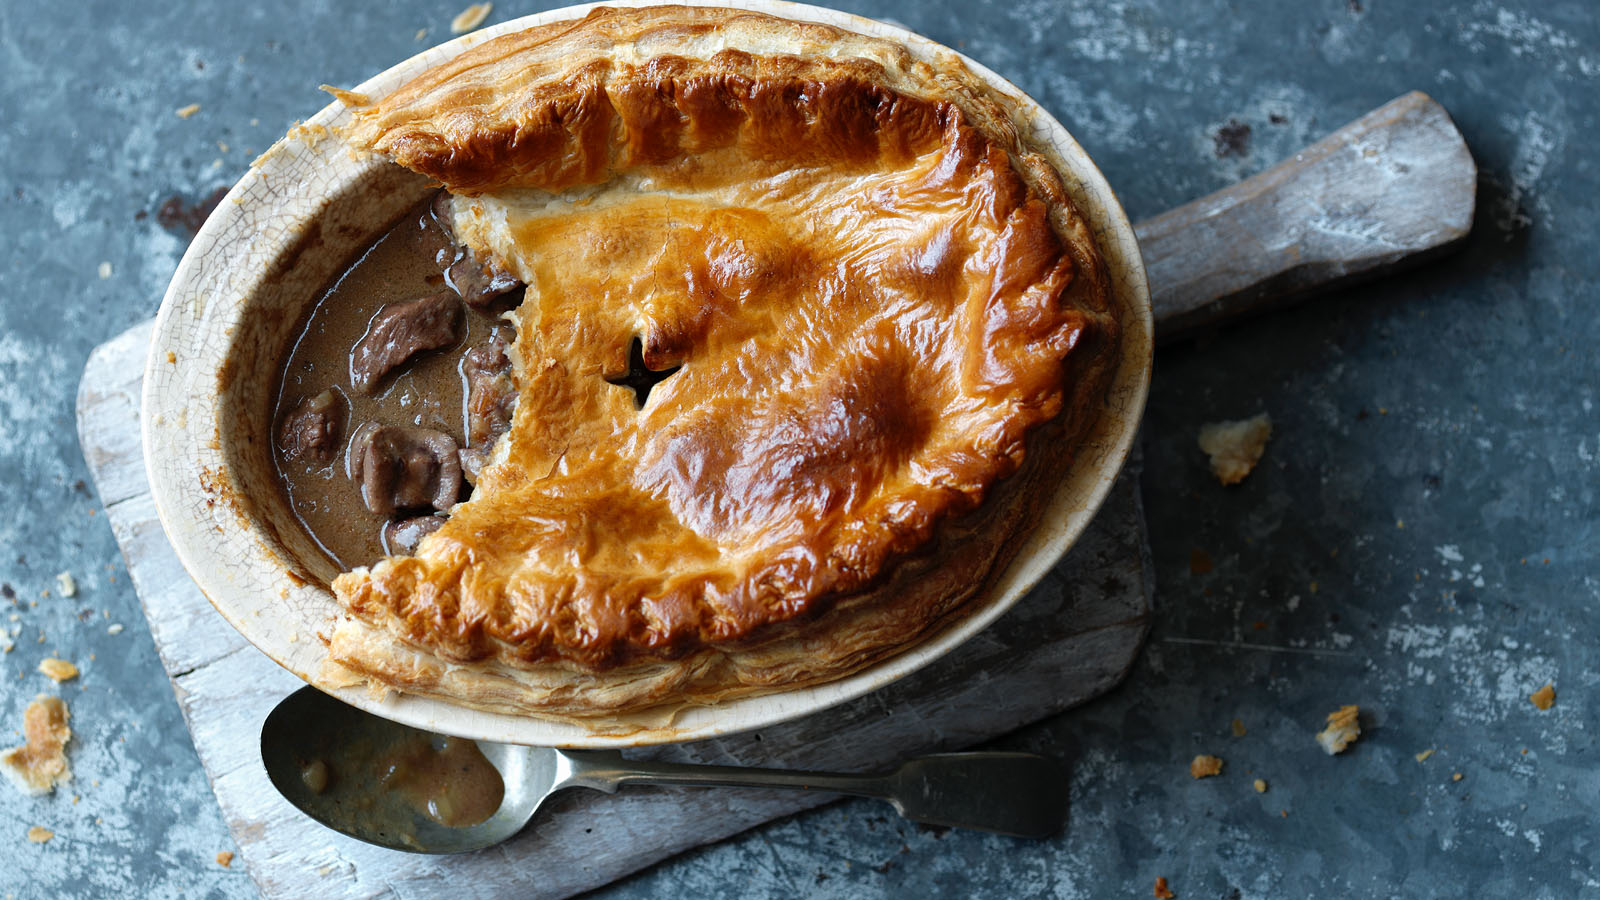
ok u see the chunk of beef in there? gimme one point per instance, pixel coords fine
(312, 430)
(401, 536)
(400, 331)
(482, 283)
(401, 467)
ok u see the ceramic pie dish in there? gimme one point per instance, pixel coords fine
(311, 202)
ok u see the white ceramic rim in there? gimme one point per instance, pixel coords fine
(246, 581)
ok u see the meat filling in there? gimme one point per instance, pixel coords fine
(400, 467)
(401, 536)
(483, 284)
(411, 394)
(313, 429)
(491, 399)
(400, 331)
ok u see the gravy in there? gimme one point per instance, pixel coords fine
(382, 777)
(428, 390)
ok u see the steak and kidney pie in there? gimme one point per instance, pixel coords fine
(737, 355)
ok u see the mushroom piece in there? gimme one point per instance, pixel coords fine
(403, 467)
(400, 331)
(473, 459)
(401, 536)
(312, 430)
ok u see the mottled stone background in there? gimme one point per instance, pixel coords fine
(1421, 538)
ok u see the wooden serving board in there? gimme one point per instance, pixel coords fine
(1393, 185)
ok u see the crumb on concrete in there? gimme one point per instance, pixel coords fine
(1343, 728)
(1205, 766)
(1457, 776)
(225, 858)
(185, 112)
(58, 670)
(1235, 447)
(470, 18)
(1261, 785)
(66, 585)
(1423, 756)
(1544, 697)
(1238, 728)
(1162, 891)
(40, 763)
(38, 835)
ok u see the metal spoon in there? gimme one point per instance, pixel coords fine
(1010, 793)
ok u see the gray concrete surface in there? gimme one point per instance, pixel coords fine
(1421, 538)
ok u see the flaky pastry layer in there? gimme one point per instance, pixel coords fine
(881, 302)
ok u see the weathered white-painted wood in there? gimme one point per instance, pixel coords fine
(1071, 639)
(1391, 188)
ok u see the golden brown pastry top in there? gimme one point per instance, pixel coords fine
(870, 282)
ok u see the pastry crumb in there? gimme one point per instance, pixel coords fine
(172, 357)
(1544, 697)
(1457, 776)
(225, 859)
(1343, 728)
(1261, 785)
(470, 18)
(38, 835)
(348, 98)
(336, 676)
(1238, 728)
(40, 764)
(66, 584)
(421, 33)
(1205, 766)
(185, 112)
(1162, 891)
(58, 670)
(1423, 756)
(104, 271)
(114, 628)
(1235, 447)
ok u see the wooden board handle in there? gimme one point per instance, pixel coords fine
(1390, 189)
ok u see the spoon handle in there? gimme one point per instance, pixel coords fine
(1011, 793)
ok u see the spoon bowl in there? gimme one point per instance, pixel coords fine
(309, 728)
(377, 780)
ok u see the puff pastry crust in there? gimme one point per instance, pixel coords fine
(891, 323)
